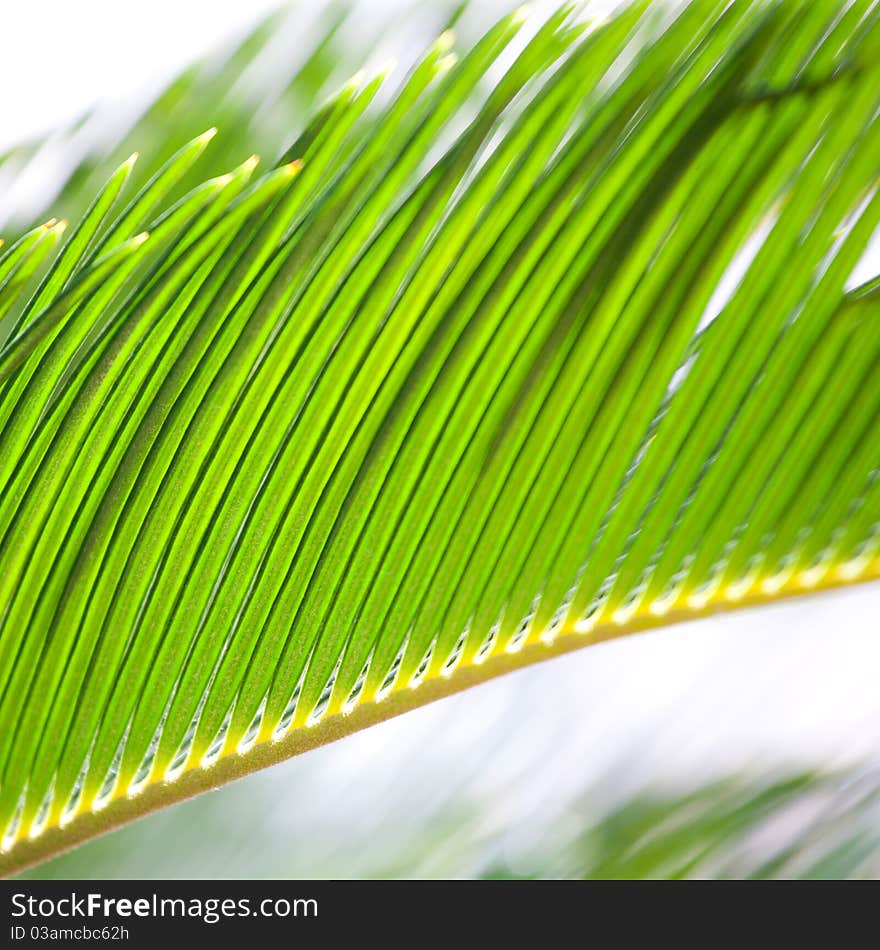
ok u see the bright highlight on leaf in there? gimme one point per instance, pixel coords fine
(479, 371)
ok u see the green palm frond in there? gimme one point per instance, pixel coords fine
(556, 342)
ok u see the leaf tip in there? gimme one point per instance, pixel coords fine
(445, 41)
(356, 81)
(387, 68)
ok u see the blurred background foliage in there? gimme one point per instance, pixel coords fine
(745, 746)
(258, 91)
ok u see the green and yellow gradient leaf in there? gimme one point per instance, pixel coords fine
(554, 342)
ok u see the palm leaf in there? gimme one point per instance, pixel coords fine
(557, 342)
